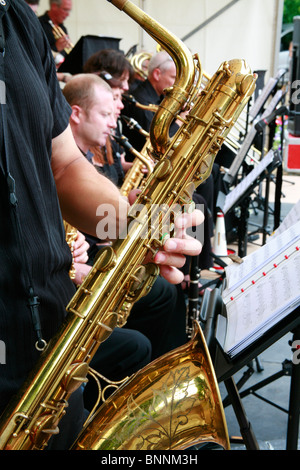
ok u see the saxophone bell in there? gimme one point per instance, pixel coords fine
(173, 403)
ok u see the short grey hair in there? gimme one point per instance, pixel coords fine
(162, 60)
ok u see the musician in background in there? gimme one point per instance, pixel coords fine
(113, 62)
(161, 75)
(58, 12)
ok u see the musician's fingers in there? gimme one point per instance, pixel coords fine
(176, 260)
(186, 245)
(171, 274)
(187, 220)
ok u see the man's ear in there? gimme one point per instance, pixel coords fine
(156, 74)
(76, 114)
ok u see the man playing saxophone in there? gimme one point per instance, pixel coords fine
(44, 176)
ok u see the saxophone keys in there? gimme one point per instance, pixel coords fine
(75, 376)
(106, 327)
(163, 169)
(150, 248)
(45, 425)
(106, 259)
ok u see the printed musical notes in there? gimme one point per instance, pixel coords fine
(262, 290)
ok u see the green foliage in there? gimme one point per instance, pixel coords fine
(291, 8)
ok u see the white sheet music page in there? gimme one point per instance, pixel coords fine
(290, 219)
(262, 290)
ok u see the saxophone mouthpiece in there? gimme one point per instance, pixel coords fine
(122, 140)
(129, 98)
(131, 123)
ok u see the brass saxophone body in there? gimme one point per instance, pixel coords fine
(135, 178)
(119, 277)
(71, 235)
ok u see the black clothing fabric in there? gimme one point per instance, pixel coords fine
(113, 172)
(161, 316)
(36, 113)
(44, 20)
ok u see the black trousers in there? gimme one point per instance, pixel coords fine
(161, 317)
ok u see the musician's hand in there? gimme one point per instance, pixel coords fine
(176, 249)
(81, 271)
(80, 249)
(62, 43)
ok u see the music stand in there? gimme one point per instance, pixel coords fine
(240, 196)
(268, 89)
(225, 367)
(83, 49)
(231, 175)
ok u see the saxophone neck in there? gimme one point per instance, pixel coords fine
(176, 96)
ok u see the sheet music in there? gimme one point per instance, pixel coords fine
(233, 196)
(262, 290)
(267, 90)
(253, 313)
(236, 274)
(244, 149)
(292, 218)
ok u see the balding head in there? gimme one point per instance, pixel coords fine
(161, 71)
(80, 90)
(92, 118)
(162, 60)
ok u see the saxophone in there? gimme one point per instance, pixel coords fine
(71, 235)
(120, 277)
(135, 177)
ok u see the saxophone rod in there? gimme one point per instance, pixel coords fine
(146, 107)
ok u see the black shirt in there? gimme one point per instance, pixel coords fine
(36, 113)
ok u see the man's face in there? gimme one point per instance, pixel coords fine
(63, 11)
(97, 122)
(166, 78)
